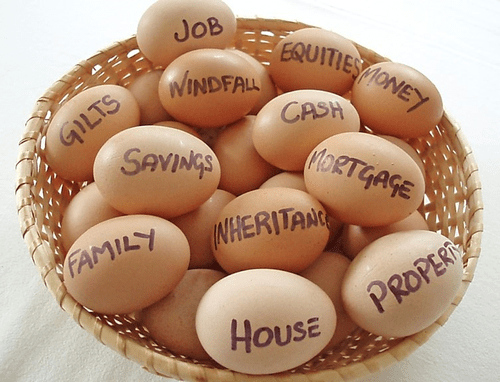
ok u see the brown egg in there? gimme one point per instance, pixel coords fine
(171, 321)
(286, 179)
(279, 228)
(126, 263)
(408, 149)
(268, 89)
(242, 168)
(288, 127)
(363, 179)
(169, 28)
(314, 58)
(82, 125)
(145, 90)
(395, 99)
(197, 225)
(180, 126)
(85, 210)
(402, 282)
(209, 88)
(355, 238)
(264, 321)
(156, 170)
(328, 272)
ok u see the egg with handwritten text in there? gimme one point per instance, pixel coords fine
(279, 228)
(209, 88)
(169, 28)
(126, 263)
(315, 58)
(421, 274)
(264, 321)
(82, 125)
(396, 99)
(363, 179)
(156, 170)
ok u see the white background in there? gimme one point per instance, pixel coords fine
(454, 43)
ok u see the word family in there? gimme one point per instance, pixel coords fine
(265, 336)
(88, 121)
(113, 248)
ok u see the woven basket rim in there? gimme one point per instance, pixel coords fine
(43, 256)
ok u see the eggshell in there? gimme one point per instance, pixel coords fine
(279, 228)
(197, 225)
(82, 125)
(264, 321)
(126, 263)
(289, 179)
(156, 170)
(396, 99)
(355, 238)
(289, 126)
(171, 321)
(401, 283)
(363, 179)
(315, 58)
(408, 149)
(85, 210)
(209, 88)
(268, 89)
(242, 168)
(180, 126)
(145, 90)
(169, 28)
(328, 272)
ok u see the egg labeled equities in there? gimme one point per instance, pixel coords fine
(126, 263)
(209, 88)
(396, 99)
(363, 179)
(82, 125)
(279, 228)
(421, 274)
(169, 28)
(289, 126)
(315, 58)
(156, 170)
(264, 321)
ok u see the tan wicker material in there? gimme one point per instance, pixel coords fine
(453, 206)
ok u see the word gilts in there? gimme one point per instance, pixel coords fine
(96, 112)
(410, 281)
(345, 165)
(90, 257)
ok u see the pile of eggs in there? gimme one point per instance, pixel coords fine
(247, 214)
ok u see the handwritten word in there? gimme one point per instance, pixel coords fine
(113, 248)
(402, 90)
(212, 84)
(412, 280)
(247, 226)
(88, 120)
(264, 335)
(200, 29)
(328, 163)
(318, 110)
(301, 52)
(151, 161)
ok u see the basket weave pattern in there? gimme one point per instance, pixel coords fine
(452, 206)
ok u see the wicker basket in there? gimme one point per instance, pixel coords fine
(452, 206)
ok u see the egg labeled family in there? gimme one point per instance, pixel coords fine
(251, 210)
